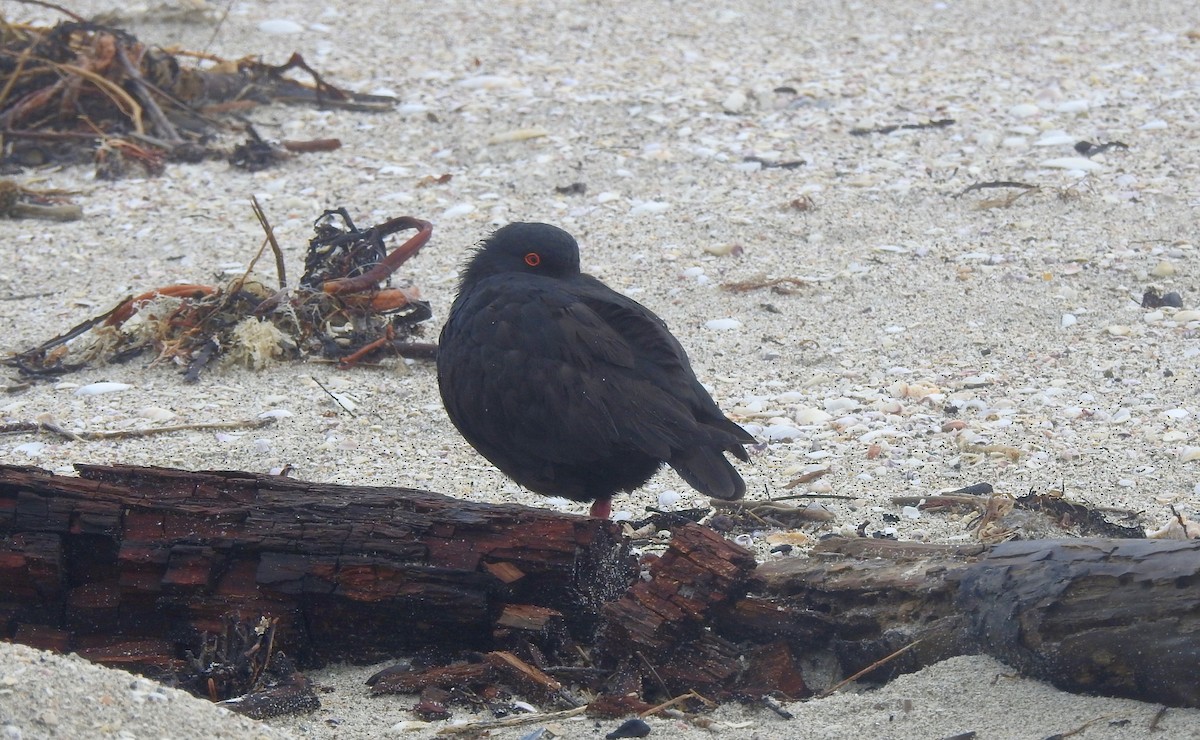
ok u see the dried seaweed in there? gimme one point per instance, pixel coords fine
(20, 202)
(241, 669)
(343, 309)
(83, 90)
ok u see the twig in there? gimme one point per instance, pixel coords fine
(66, 212)
(261, 215)
(16, 73)
(939, 123)
(26, 427)
(356, 357)
(995, 184)
(514, 721)
(776, 707)
(792, 496)
(333, 395)
(678, 700)
(161, 122)
(415, 350)
(1078, 729)
(388, 264)
(653, 672)
(868, 669)
(73, 16)
(1162, 711)
(312, 145)
(115, 92)
(746, 286)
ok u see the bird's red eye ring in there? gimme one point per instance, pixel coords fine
(533, 259)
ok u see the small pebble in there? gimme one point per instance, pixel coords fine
(734, 102)
(1072, 106)
(630, 728)
(1163, 269)
(810, 415)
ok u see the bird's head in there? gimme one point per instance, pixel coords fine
(529, 248)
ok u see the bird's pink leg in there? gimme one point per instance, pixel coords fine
(601, 508)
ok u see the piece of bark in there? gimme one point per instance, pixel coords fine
(528, 617)
(771, 669)
(664, 620)
(292, 694)
(528, 679)
(414, 681)
(699, 570)
(124, 554)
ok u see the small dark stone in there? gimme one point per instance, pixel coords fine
(575, 188)
(1153, 299)
(722, 523)
(431, 711)
(629, 728)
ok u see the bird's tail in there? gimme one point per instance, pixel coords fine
(708, 471)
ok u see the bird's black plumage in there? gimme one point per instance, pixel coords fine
(570, 388)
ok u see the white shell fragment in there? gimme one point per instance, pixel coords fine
(459, 209)
(722, 324)
(155, 413)
(1072, 163)
(520, 134)
(649, 207)
(95, 389)
(280, 26)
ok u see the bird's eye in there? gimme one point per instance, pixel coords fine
(533, 259)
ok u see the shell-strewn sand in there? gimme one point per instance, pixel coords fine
(913, 306)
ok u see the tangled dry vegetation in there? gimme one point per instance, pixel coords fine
(85, 91)
(343, 308)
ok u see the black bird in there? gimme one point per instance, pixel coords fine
(570, 388)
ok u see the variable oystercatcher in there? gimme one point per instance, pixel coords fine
(570, 388)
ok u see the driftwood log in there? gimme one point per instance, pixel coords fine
(128, 565)
(1118, 617)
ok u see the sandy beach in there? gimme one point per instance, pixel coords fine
(687, 146)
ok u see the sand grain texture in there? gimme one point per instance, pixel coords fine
(914, 307)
